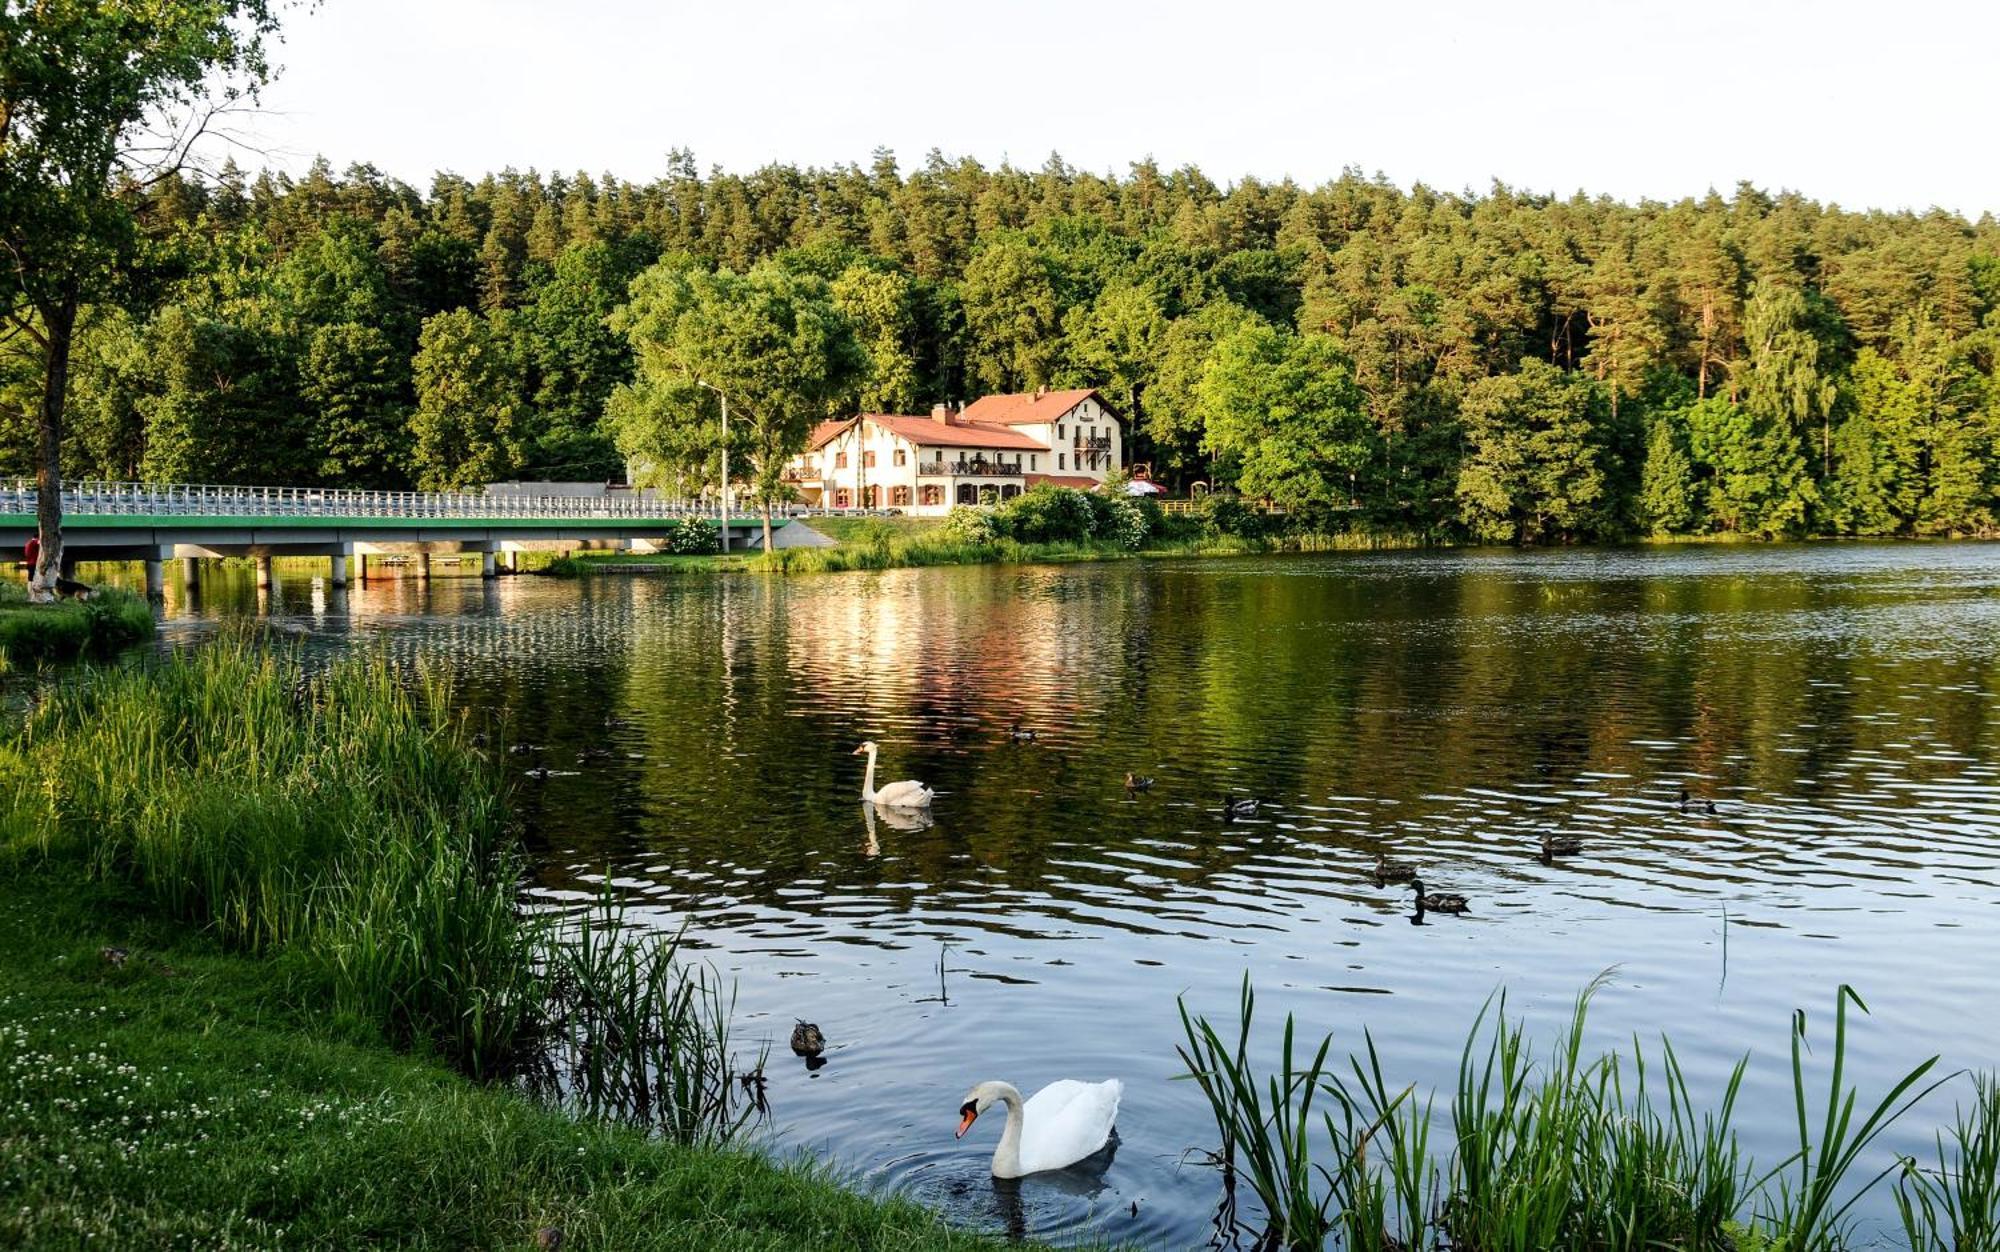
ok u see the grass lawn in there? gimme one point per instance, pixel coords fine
(175, 1098)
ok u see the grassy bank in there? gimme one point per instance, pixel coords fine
(257, 927)
(34, 633)
(187, 1096)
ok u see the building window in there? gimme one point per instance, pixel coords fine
(1031, 461)
(1059, 460)
(1009, 491)
(933, 494)
(901, 458)
(868, 460)
(968, 493)
(900, 495)
(1058, 430)
(840, 460)
(842, 500)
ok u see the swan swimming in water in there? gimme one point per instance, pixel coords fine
(1062, 1124)
(896, 795)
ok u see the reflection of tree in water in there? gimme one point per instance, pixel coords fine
(1428, 702)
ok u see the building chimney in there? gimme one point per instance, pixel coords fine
(1041, 391)
(941, 414)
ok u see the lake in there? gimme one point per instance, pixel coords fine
(1837, 702)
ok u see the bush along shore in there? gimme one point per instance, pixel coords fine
(67, 629)
(265, 979)
(1582, 1153)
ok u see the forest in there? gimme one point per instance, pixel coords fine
(1497, 366)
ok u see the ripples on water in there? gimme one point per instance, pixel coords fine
(1837, 702)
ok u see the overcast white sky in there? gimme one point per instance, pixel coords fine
(1878, 104)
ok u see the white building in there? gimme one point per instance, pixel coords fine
(994, 450)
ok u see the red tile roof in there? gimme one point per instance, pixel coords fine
(1028, 408)
(825, 432)
(1062, 480)
(929, 432)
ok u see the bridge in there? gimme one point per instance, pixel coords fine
(159, 522)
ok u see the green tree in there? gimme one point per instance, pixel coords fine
(881, 305)
(1538, 461)
(1757, 469)
(354, 379)
(1013, 313)
(1284, 410)
(97, 101)
(770, 341)
(471, 425)
(1668, 500)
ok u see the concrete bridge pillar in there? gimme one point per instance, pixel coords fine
(361, 567)
(513, 560)
(421, 564)
(337, 575)
(264, 573)
(190, 567)
(486, 569)
(156, 573)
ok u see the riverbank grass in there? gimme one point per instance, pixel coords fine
(157, 1090)
(33, 633)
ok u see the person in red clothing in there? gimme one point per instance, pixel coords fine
(32, 553)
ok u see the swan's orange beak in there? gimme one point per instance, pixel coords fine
(966, 1116)
(858, 751)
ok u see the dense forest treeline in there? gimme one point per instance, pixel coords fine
(1500, 366)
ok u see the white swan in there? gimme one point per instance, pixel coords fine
(897, 795)
(1065, 1122)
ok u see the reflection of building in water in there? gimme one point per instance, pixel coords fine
(1023, 648)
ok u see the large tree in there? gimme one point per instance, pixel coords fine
(769, 343)
(1538, 461)
(98, 100)
(1283, 408)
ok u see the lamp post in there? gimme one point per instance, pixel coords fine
(725, 459)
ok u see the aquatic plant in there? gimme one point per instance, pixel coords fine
(636, 1033)
(1574, 1151)
(1955, 1205)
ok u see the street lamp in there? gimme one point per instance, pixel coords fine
(725, 459)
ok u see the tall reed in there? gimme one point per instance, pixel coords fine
(341, 815)
(1590, 1153)
(1955, 1206)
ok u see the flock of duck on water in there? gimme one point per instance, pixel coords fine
(1069, 1121)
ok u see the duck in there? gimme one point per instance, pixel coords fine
(908, 794)
(1244, 806)
(541, 773)
(807, 1040)
(1387, 870)
(1554, 846)
(1694, 804)
(1020, 735)
(1065, 1122)
(1437, 901)
(1138, 782)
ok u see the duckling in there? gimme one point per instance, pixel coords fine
(1437, 901)
(807, 1040)
(541, 773)
(1233, 807)
(1387, 870)
(1020, 735)
(1554, 846)
(1138, 782)
(115, 957)
(522, 749)
(1693, 804)
(596, 752)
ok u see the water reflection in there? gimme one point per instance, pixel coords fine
(1449, 710)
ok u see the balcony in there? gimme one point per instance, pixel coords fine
(969, 469)
(1100, 444)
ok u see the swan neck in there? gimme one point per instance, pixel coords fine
(868, 779)
(1007, 1157)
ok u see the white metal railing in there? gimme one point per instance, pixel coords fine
(17, 495)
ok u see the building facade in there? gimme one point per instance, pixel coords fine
(993, 450)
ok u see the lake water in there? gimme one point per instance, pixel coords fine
(1838, 703)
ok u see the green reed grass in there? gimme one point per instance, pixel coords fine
(1954, 1205)
(639, 1034)
(341, 816)
(1568, 1150)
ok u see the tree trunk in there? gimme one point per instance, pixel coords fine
(59, 326)
(767, 523)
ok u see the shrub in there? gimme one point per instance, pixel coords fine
(1226, 515)
(694, 536)
(970, 524)
(1048, 514)
(111, 619)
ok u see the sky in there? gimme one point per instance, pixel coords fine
(1868, 105)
